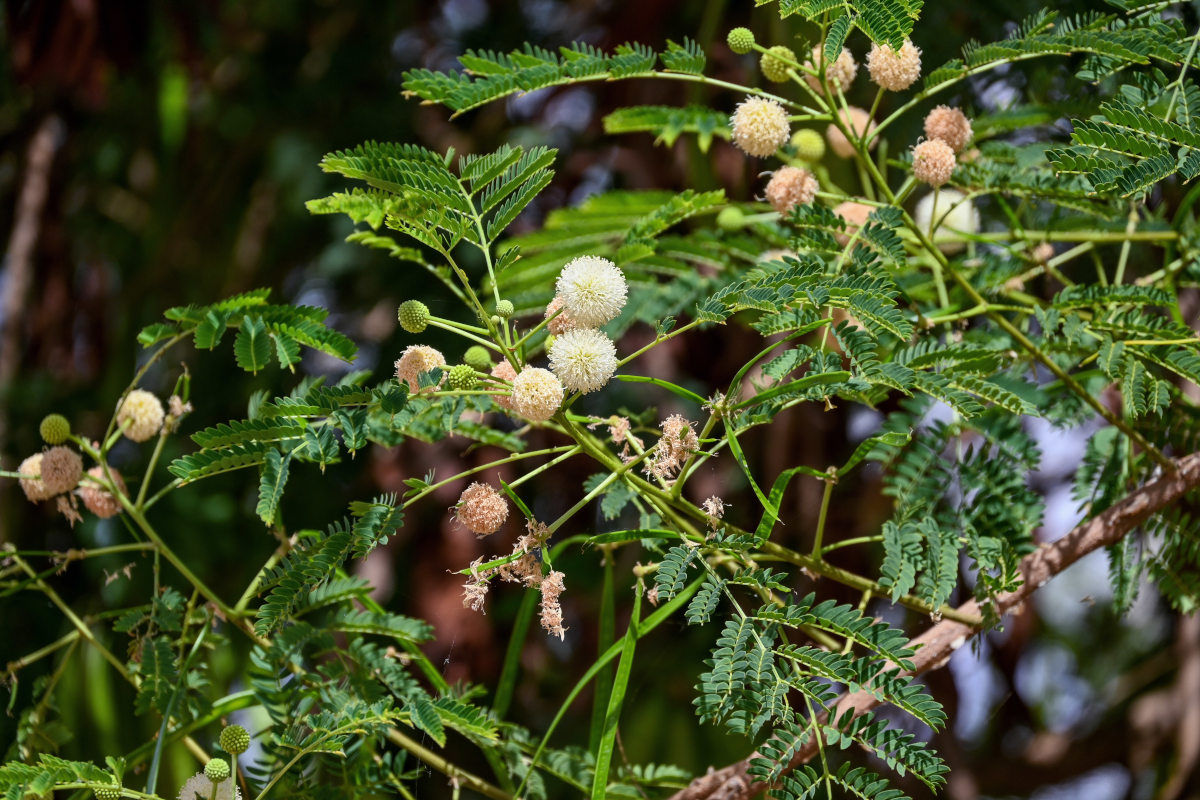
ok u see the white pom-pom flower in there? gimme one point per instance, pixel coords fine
(144, 413)
(536, 393)
(583, 359)
(952, 212)
(760, 126)
(592, 289)
(200, 787)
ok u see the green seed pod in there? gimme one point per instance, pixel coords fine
(809, 145)
(774, 67)
(731, 218)
(413, 316)
(217, 769)
(478, 358)
(740, 40)
(504, 309)
(234, 739)
(463, 377)
(55, 429)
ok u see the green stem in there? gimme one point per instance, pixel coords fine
(617, 700)
(512, 655)
(816, 551)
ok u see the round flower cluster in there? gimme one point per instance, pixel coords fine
(478, 357)
(776, 63)
(855, 215)
(740, 40)
(760, 126)
(536, 394)
(201, 787)
(481, 509)
(35, 491)
(839, 73)
(462, 377)
(859, 122)
(592, 290)
(790, 187)
(217, 769)
(950, 125)
(415, 360)
(809, 145)
(55, 429)
(503, 371)
(413, 316)
(933, 162)
(62, 468)
(584, 360)
(234, 739)
(505, 309)
(560, 324)
(894, 70)
(731, 218)
(100, 501)
(951, 211)
(142, 413)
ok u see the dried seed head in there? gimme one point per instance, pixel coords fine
(790, 187)
(62, 468)
(552, 618)
(933, 162)
(481, 509)
(858, 121)
(760, 126)
(950, 125)
(894, 70)
(678, 441)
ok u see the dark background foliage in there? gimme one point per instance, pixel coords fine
(175, 145)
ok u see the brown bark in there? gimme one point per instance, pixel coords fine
(936, 645)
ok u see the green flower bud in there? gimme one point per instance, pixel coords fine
(504, 309)
(462, 377)
(774, 67)
(413, 316)
(478, 358)
(731, 218)
(217, 769)
(809, 145)
(740, 40)
(55, 429)
(234, 739)
(495, 319)
(107, 792)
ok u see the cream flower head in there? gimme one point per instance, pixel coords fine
(592, 290)
(35, 490)
(200, 787)
(790, 187)
(933, 162)
(760, 126)
(952, 211)
(481, 509)
(950, 125)
(144, 412)
(415, 360)
(583, 359)
(839, 73)
(561, 323)
(536, 394)
(894, 70)
(857, 120)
